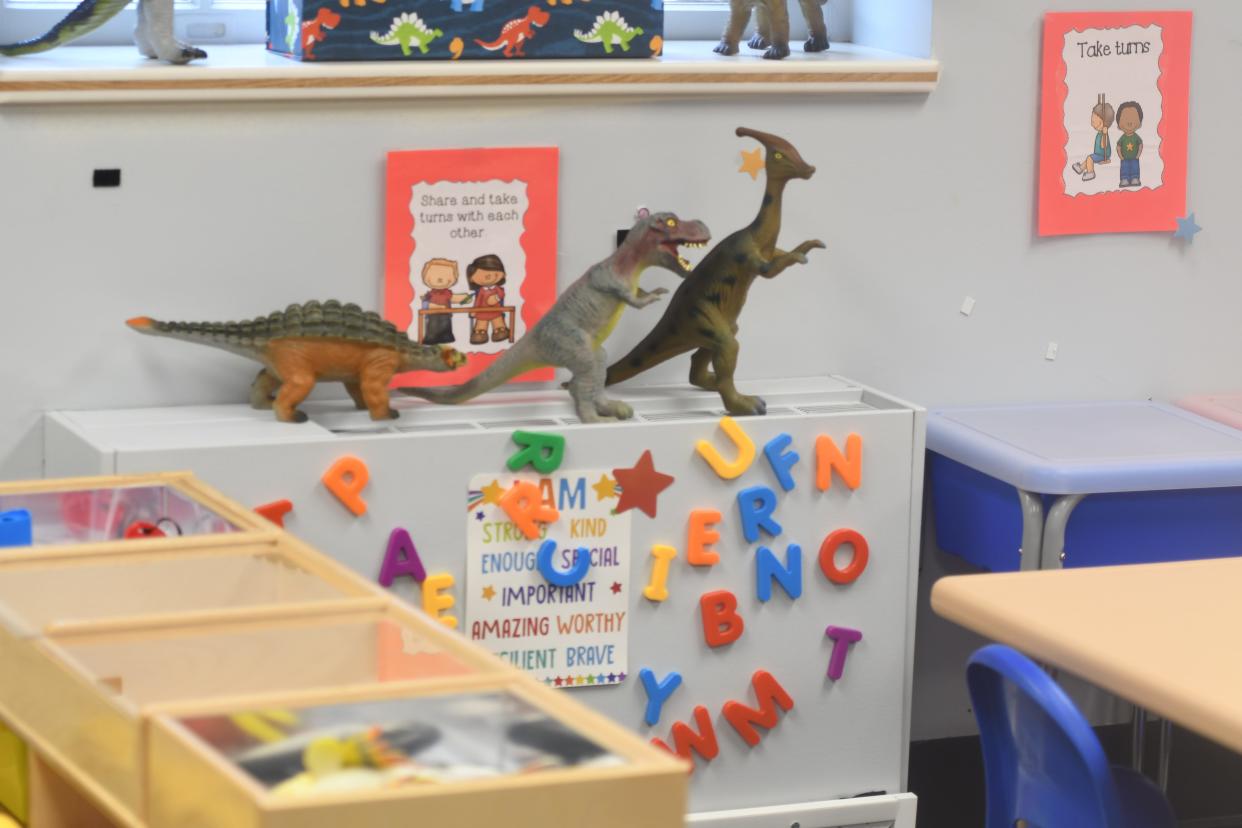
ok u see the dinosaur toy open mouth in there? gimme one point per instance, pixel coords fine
(673, 248)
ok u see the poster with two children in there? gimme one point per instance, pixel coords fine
(470, 250)
(1113, 130)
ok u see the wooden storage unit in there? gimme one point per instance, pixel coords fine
(14, 774)
(110, 645)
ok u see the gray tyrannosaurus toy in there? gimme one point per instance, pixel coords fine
(571, 334)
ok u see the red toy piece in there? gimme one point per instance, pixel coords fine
(828, 551)
(686, 740)
(641, 485)
(142, 529)
(276, 511)
(771, 695)
(721, 622)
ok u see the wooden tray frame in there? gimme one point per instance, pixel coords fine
(191, 778)
(97, 759)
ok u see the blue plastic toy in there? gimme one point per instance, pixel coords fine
(657, 693)
(756, 505)
(16, 528)
(768, 568)
(556, 577)
(781, 460)
(1042, 761)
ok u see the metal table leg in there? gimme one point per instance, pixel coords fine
(1052, 550)
(1166, 752)
(1138, 735)
(1032, 529)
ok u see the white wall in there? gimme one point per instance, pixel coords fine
(922, 200)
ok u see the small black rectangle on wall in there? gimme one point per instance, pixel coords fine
(107, 178)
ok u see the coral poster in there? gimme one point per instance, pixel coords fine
(1113, 125)
(573, 635)
(470, 251)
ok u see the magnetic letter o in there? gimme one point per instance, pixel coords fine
(828, 551)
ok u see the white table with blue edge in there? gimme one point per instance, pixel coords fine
(1149, 457)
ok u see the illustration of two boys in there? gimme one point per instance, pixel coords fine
(1129, 117)
(486, 275)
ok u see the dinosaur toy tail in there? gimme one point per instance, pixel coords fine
(511, 363)
(647, 354)
(86, 17)
(142, 324)
(234, 337)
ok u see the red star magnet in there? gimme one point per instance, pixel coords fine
(641, 485)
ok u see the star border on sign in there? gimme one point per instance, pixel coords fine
(605, 488)
(493, 492)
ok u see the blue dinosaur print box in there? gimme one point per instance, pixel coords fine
(464, 29)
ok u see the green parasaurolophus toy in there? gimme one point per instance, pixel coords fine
(702, 315)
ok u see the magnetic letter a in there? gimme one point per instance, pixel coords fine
(401, 558)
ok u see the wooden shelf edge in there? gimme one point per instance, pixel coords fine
(248, 73)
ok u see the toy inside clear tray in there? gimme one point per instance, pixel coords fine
(496, 750)
(99, 510)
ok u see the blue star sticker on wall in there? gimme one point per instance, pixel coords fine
(1186, 228)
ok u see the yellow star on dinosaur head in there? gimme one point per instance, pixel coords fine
(752, 162)
(493, 492)
(488, 593)
(605, 488)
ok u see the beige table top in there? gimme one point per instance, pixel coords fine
(1164, 636)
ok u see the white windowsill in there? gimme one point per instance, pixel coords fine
(98, 74)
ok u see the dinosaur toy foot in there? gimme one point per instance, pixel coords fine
(614, 409)
(776, 51)
(391, 414)
(296, 417)
(744, 405)
(724, 47)
(758, 41)
(815, 43)
(182, 55)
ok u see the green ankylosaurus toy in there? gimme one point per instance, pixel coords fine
(571, 334)
(702, 315)
(610, 30)
(408, 30)
(315, 342)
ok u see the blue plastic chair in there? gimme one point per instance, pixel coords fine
(1043, 764)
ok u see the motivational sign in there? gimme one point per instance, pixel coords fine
(1114, 122)
(470, 250)
(573, 635)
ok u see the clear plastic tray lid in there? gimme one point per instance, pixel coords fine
(395, 743)
(96, 515)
